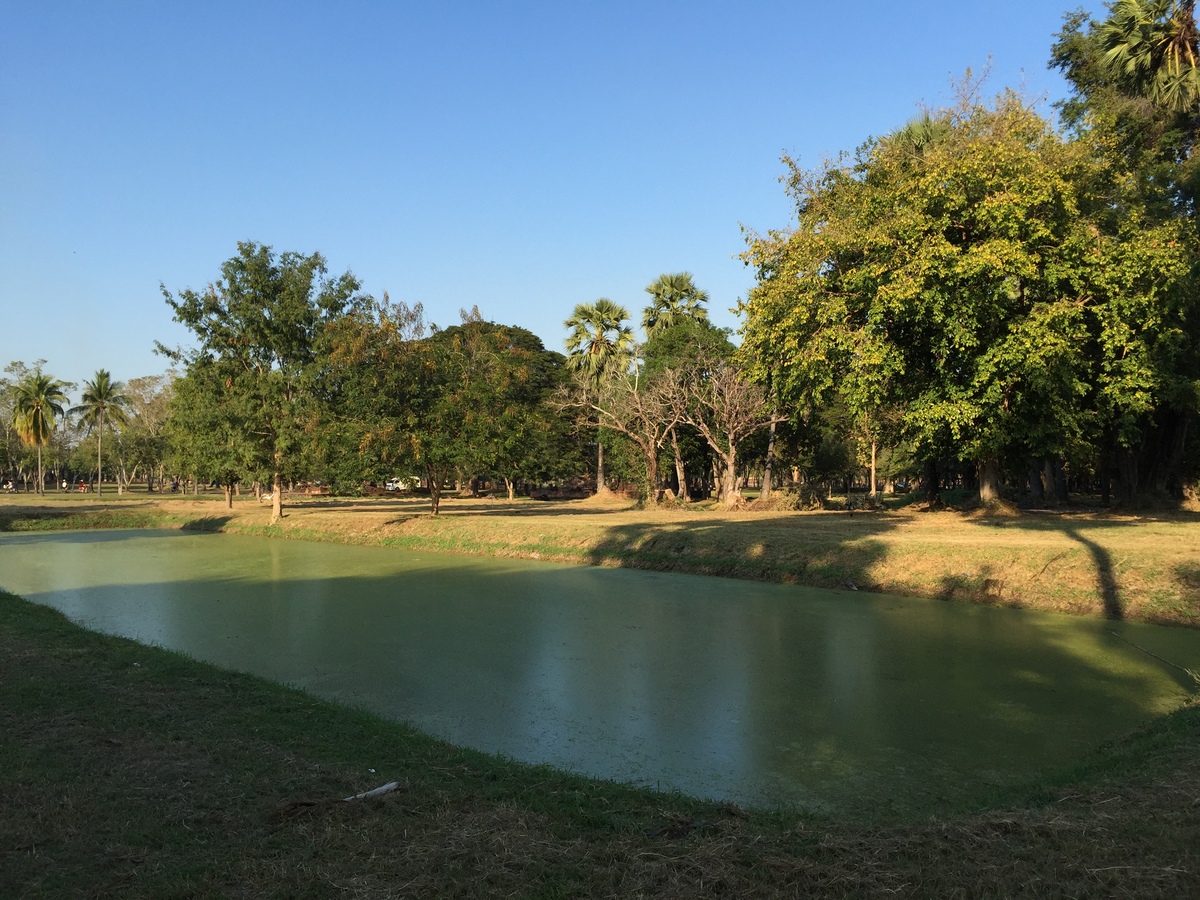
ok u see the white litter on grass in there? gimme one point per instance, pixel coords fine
(376, 792)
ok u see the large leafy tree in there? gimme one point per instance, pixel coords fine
(38, 402)
(142, 442)
(1135, 101)
(501, 378)
(103, 399)
(205, 433)
(600, 345)
(259, 331)
(468, 398)
(974, 285)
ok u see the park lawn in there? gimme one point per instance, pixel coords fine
(132, 771)
(1122, 566)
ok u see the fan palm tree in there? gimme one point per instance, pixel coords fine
(600, 344)
(675, 298)
(102, 398)
(39, 400)
(1154, 47)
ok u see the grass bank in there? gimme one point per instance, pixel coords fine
(135, 772)
(1133, 567)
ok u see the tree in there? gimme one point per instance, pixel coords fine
(1131, 75)
(206, 433)
(260, 330)
(39, 399)
(726, 408)
(977, 286)
(600, 345)
(675, 299)
(1150, 47)
(676, 312)
(639, 408)
(102, 397)
(142, 445)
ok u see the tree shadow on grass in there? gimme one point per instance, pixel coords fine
(776, 548)
(1106, 580)
(1108, 589)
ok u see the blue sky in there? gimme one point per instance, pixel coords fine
(520, 156)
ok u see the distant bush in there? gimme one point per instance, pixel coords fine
(790, 499)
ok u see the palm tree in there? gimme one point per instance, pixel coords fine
(102, 397)
(600, 345)
(676, 298)
(1154, 47)
(39, 399)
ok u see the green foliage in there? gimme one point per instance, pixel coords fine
(102, 398)
(600, 342)
(469, 398)
(981, 287)
(261, 332)
(1150, 49)
(675, 300)
(37, 401)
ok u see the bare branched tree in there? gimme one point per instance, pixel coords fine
(726, 408)
(642, 409)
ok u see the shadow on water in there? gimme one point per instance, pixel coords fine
(762, 694)
(208, 524)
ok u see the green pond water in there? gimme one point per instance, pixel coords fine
(767, 695)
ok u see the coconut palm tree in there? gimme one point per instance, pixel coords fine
(1154, 47)
(39, 400)
(102, 398)
(600, 344)
(676, 298)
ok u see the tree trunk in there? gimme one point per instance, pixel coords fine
(1056, 480)
(599, 465)
(435, 491)
(930, 480)
(873, 493)
(680, 474)
(509, 484)
(1036, 494)
(989, 480)
(229, 496)
(652, 474)
(730, 485)
(41, 482)
(99, 459)
(718, 487)
(277, 498)
(767, 483)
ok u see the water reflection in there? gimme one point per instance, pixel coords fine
(763, 694)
